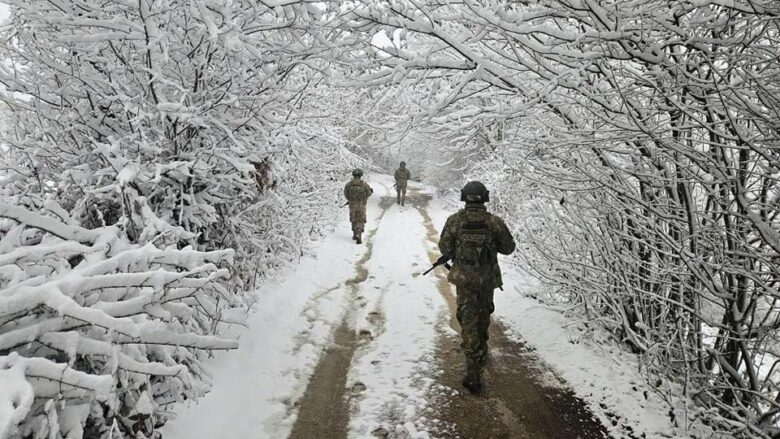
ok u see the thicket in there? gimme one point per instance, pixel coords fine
(156, 161)
(638, 141)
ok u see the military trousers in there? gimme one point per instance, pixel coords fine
(357, 216)
(400, 189)
(474, 308)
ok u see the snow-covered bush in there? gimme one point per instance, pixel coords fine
(156, 160)
(173, 106)
(97, 334)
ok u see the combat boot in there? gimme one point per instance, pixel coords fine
(358, 240)
(473, 381)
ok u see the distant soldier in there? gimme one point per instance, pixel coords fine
(357, 192)
(402, 176)
(473, 237)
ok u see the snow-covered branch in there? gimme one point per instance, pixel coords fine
(97, 325)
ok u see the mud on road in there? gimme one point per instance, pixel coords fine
(521, 397)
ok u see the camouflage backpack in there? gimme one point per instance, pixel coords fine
(356, 192)
(474, 248)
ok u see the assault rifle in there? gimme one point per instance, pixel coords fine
(443, 260)
(345, 204)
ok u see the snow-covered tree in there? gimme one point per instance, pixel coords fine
(157, 159)
(175, 105)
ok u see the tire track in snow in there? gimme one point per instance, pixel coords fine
(521, 397)
(323, 411)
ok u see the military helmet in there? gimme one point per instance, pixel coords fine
(403, 164)
(357, 173)
(475, 191)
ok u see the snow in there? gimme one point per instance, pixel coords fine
(78, 332)
(608, 380)
(212, 124)
(395, 314)
(394, 366)
(17, 394)
(127, 175)
(599, 374)
(51, 225)
(255, 387)
(53, 379)
(144, 405)
(73, 419)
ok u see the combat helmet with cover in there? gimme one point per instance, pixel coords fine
(357, 172)
(475, 191)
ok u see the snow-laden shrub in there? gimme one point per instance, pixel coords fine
(181, 112)
(307, 179)
(148, 145)
(97, 334)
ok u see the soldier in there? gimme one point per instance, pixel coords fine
(357, 192)
(473, 237)
(402, 176)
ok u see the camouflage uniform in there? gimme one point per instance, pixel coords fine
(357, 192)
(475, 277)
(402, 176)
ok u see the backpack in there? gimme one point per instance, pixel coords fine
(474, 248)
(355, 192)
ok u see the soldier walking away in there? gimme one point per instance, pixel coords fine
(402, 176)
(473, 237)
(357, 192)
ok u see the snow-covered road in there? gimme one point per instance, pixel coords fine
(356, 343)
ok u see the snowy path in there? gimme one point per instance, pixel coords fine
(355, 343)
